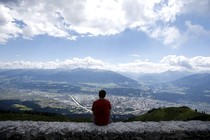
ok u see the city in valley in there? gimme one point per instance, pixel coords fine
(35, 90)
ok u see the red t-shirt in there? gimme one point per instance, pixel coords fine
(101, 111)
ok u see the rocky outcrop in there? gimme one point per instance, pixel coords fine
(26, 130)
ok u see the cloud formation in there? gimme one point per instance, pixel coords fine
(75, 18)
(170, 62)
(195, 64)
(87, 62)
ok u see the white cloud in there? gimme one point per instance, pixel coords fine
(171, 62)
(102, 17)
(196, 64)
(180, 61)
(87, 62)
(197, 7)
(195, 31)
(200, 61)
(8, 28)
(74, 18)
(169, 35)
(169, 11)
(135, 55)
(139, 66)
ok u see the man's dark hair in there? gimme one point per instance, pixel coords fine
(102, 93)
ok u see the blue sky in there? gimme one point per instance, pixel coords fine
(121, 35)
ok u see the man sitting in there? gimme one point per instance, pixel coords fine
(101, 109)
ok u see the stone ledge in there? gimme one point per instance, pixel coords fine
(26, 130)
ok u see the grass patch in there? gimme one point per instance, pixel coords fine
(38, 116)
(22, 107)
(172, 113)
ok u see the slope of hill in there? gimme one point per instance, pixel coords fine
(172, 113)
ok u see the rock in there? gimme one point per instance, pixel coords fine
(27, 130)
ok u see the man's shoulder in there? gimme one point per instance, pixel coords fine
(96, 101)
(101, 100)
(107, 100)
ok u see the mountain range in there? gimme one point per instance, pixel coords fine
(169, 86)
(74, 76)
(194, 87)
(194, 80)
(154, 78)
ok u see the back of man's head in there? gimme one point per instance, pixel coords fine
(102, 93)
